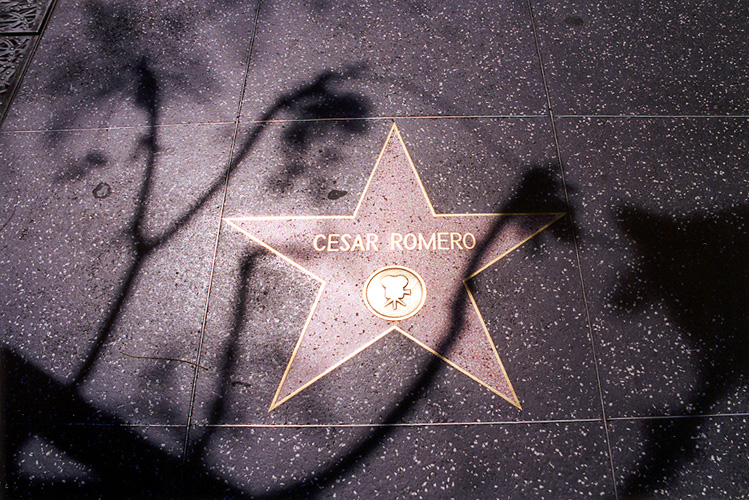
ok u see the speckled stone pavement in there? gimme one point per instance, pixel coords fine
(144, 338)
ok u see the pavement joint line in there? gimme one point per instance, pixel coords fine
(273, 120)
(161, 358)
(591, 335)
(403, 424)
(96, 424)
(371, 118)
(679, 417)
(576, 245)
(654, 116)
(317, 426)
(395, 117)
(114, 127)
(230, 160)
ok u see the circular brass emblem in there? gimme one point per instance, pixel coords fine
(394, 293)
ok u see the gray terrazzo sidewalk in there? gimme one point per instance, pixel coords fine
(147, 334)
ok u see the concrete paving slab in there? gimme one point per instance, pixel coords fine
(522, 461)
(144, 336)
(708, 464)
(93, 462)
(111, 251)
(244, 371)
(197, 54)
(622, 59)
(436, 58)
(663, 233)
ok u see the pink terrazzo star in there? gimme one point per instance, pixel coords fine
(394, 225)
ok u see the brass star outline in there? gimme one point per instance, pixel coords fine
(287, 234)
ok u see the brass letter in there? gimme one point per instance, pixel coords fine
(395, 240)
(465, 241)
(426, 245)
(314, 242)
(358, 242)
(442, 241)
(372, 240)
(345, 241)
(455, 240)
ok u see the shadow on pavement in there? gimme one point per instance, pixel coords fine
(124, 464)
(122, 65)
(697, 268)
(536, 183)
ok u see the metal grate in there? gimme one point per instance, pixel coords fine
(21, 26)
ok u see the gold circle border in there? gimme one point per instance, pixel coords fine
(375, 273)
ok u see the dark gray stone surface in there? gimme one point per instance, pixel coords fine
(471, 462)
(610, 57)
(402, 59)
(81, 298)
(662, 211)
(62, 462)
(681, 458)
(96, 55)
(143, 339)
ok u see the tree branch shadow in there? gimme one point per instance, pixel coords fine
(148, 463)
(148, 98)
(126, 465)
(537, 181)
(313, 101)
(696, 267)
